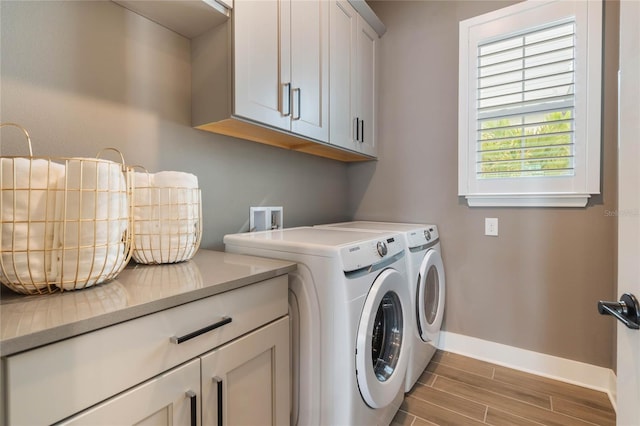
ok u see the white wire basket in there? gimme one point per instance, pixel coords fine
(65, 222)
(167, 217)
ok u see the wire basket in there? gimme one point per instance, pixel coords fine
(167, 214)
(65, 222)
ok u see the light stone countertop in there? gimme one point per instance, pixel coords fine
(27, 322)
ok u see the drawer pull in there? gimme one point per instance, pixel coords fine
(177, 340)
(194, 407)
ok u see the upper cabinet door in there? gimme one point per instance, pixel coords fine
(343, 116)
(367, 96)
(261, 56)
(310, 68)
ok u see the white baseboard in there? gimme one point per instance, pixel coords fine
(562, 369)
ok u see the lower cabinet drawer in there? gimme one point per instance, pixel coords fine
(53, 382)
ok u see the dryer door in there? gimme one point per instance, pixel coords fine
(430, 296)
(381, 354)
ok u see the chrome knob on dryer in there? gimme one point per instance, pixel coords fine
(382, 248)
(427, 234)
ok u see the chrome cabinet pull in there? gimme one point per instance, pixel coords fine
(286, 86)
(357, 129)
(177, 340)
(194, 404)
(297, 117)
(362, 131)
(627, 310)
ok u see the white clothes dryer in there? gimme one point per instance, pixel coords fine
(426, 278)
(349, 309)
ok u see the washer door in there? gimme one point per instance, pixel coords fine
(430, 296)
(380, 347)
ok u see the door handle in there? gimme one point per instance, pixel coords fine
(194, 407)
(218, 381)
(626, 310)
(287, 87)
(296, 116)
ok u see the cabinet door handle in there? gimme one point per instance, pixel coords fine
(362, 131)
(219, 384)
(194, 407)
(287, 87)
(177, 340)
(357, 129)
(297, 116)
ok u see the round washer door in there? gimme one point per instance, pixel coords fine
(380, 346)
(430, 296)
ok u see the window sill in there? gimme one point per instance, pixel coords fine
(528, 200)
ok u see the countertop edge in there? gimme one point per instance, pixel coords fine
(13, 346)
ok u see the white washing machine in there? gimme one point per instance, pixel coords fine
(426, 279)
(349, 307)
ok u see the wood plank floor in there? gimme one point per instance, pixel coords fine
(457, 390)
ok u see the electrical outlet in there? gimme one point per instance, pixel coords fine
(491, 226)
(265, 218)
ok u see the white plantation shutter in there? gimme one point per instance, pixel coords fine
(525, 104)
(529, 104)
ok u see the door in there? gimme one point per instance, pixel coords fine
(246, 382)
(310, 68)
(366, 71)
(430, 296)
(628, 392)
(261, 61)
(381, 347)
(342, 122)
(169, 399)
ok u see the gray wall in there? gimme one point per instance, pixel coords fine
(536, 285)
(81, 76)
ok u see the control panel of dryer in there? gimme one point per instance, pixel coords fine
(367, 253)
(423, 236)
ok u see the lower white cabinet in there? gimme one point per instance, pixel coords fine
(165, 368)
(245, 382)
(170, 399)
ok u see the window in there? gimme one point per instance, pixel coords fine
(530, 105)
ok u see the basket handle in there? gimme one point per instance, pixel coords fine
(117, 151)
(23, 131)
(144, 169)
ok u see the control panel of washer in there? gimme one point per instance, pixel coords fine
(367, 253)
(423, 236)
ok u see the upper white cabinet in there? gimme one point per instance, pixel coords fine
(353, 46)
(281, 62)
(297, 74)
(309, 68)
(265, 76)
(261, 67)
(344, 75)
(366, 105)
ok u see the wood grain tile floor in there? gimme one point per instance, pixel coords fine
(457, 390)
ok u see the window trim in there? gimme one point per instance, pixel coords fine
(572, 191)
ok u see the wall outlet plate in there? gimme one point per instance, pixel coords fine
(491, 226)
(265, 218)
